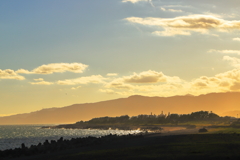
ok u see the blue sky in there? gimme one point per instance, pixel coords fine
(56, 53)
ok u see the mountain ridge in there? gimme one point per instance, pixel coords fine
(132, 105)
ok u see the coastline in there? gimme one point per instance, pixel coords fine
(51, 148)
(172, 145)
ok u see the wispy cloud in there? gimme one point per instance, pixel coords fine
(56, 68)
(108, 91)
(172, 32)
(192, 23)
(177, 6)
(39, 79)
(75, 88)
(171, 10)
(83, 80)
(235, 62)
(225, 51)
(41, 83)
(136, 1)
(236, 39)
(112, 74)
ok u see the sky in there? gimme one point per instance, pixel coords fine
(54, 53)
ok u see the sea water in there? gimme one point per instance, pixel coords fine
(12, 136)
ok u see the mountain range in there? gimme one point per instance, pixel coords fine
(227, 103)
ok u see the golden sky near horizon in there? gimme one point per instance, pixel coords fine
(58, 53)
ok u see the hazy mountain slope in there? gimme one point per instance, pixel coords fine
(133, 105)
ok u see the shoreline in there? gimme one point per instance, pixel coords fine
(52, 147)
(184, 143)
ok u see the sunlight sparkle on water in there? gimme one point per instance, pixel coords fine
(14, 136)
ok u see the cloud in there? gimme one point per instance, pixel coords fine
(74, 88)
(225, 51)
(41, 83)
(135, 1)
(175, 10)
(171, 10)
(223, 82)
(150, 77)
(24, 71)
(232, 78)
(112, 74)
(236, 39)
(148, 90)
(200, 85)
(10, 74)
(143, 80)
(152, 83)
(193, 23)
(145, 77)
(56, 68)
(177, 6)
(235, 62)
(119, 84)
(108, 91)
(83, 80)
(235, 86)
(39, 79)
(172, 32)
(232, 75)
(203, 82)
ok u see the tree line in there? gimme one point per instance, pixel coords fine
(158, 119)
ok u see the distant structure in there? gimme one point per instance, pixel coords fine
(203, 130)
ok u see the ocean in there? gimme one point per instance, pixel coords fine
(12, 136)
